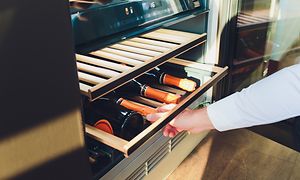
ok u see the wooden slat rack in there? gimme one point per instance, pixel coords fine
(104, 70)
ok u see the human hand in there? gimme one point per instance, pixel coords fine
(194, 121)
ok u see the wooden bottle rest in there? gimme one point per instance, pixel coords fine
(116, 57)
(110, 67)
(134, 56)
(102, 63)
(150, 53)
(145, 46)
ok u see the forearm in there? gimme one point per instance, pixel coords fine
(272, 99)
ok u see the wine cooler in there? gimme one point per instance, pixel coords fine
(131, 74)
(130, 58)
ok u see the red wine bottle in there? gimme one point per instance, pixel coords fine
(117, 119)
(158, 76)
(136, 87)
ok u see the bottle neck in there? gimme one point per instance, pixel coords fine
(142, 109)
(161, 78)
(157, 74)
(143, 90)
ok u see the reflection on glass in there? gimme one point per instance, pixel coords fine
(85, 4)
(284, 34)
(253, 23)
(273, 28)
(267, 39)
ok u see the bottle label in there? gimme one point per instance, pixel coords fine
(104, 125)
(144, 110)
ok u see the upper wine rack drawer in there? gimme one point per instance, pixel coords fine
(103, 70)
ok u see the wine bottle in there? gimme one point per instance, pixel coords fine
(158, 76)
(118, 120)
(144, 90)
(114, 97)
(93, 119)
(143, 110)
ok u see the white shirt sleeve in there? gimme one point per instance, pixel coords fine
(269, 100)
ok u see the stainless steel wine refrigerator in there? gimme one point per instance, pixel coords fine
(80, 76)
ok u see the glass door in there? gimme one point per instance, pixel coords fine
(263, 38)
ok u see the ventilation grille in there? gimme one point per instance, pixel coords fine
(139, 173)
(175, 141)
(157, 156)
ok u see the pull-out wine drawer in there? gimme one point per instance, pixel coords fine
(208, 75)
(103, 70)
